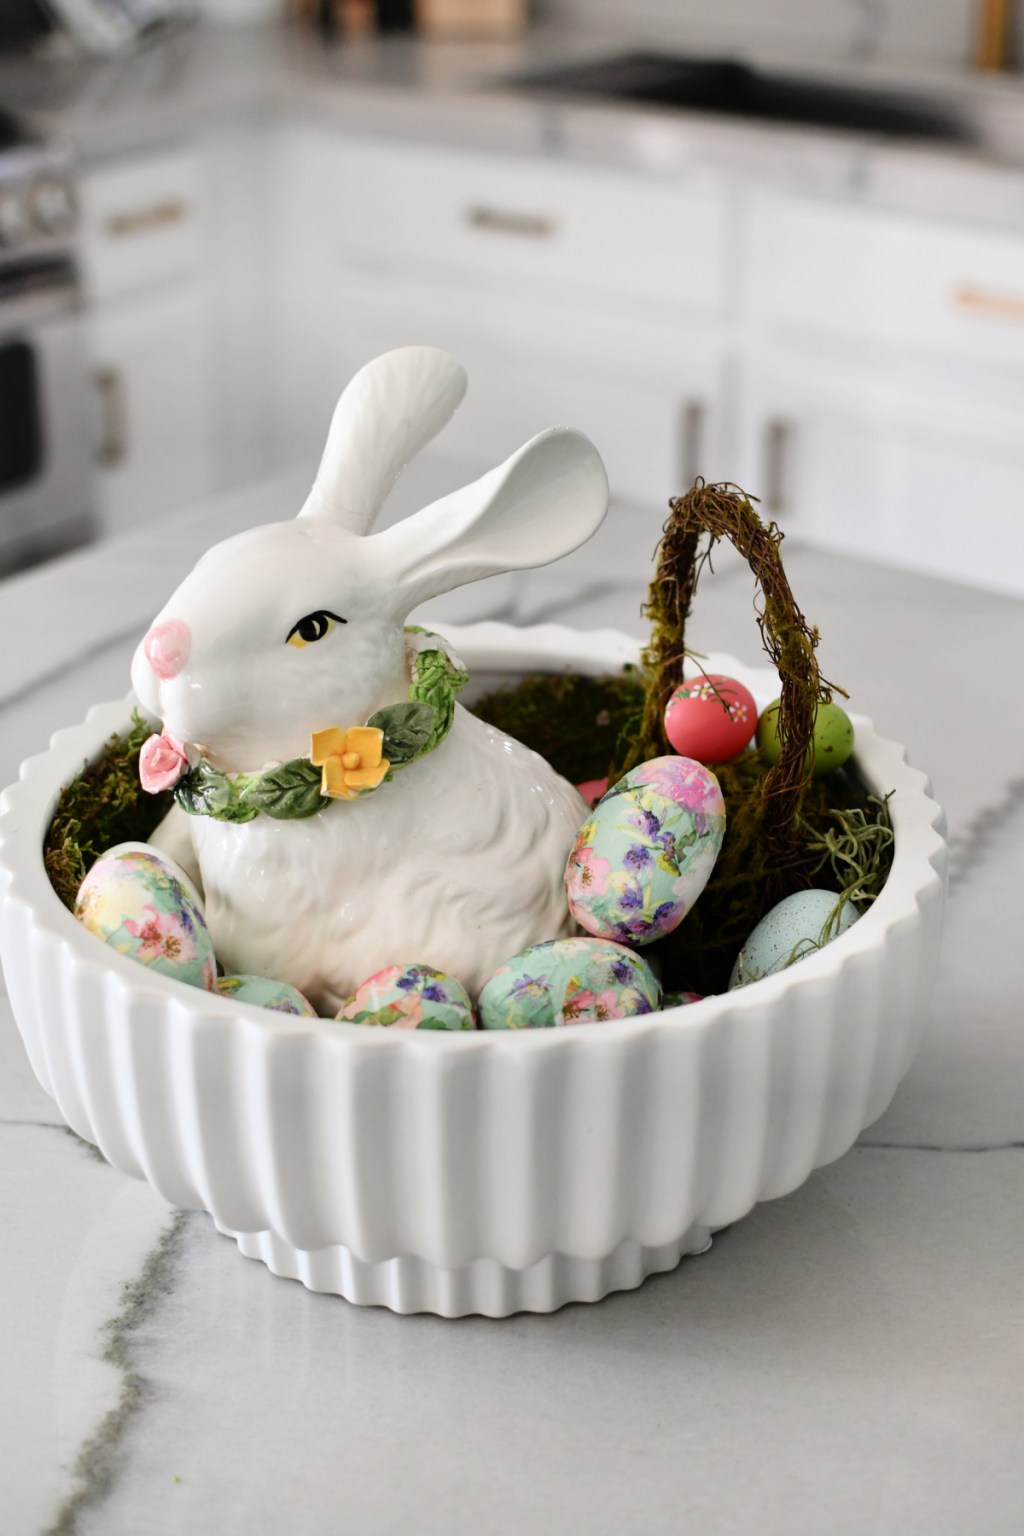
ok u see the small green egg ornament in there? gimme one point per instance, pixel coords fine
(832, 743)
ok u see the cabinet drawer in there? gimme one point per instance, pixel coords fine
(874, 277)
(521, 223)
(142, 223)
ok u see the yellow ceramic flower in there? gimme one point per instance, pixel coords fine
(351, 760)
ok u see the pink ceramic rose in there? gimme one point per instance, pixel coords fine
(162, 762)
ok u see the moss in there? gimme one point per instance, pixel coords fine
(580, 724)
(104, 805)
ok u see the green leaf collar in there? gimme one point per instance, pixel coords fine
(292, 791)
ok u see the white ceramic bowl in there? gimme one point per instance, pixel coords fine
(486, 1173)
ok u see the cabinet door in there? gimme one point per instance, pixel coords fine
(918, 468)
(649, 397)
(150, 368)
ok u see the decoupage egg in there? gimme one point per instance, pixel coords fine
(568, 981)
(798, 926)
(645, 853)
(711, 718)
(278, 996)
(141, 904)
(680, 999)
(831, 744)
(410, 997)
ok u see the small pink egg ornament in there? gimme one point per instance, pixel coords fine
(593, 790)
(711, 718)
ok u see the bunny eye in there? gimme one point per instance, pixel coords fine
(314, 627)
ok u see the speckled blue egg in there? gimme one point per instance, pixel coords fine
(142, 905)
(410, 997)
(568, 981)
(645, 853)
(798, 926)
(278, 996)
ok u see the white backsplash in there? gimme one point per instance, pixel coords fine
(924, 31)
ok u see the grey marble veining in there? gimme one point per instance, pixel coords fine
(845, 1360)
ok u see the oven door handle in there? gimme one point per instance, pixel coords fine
(113, 447)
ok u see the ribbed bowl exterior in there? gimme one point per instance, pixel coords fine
(486, 1173)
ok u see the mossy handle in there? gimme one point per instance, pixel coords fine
(697, 521)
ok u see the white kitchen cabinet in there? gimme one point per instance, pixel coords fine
(154, 432)
(143, 222)
(145, 242)
(871, 278)
(652, 401)
(600, 309)
(531, 224)
(882, 407)
(915, 466)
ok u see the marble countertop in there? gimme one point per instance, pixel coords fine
(457, 93)
(844, 1360)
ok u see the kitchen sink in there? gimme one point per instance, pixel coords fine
(736, 89)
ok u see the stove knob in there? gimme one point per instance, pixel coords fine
(13, 219)
(53, 205)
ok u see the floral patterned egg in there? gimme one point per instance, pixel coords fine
(410, 997)
(278, 996)
(646, 851)
(568, 981)
(143, 905)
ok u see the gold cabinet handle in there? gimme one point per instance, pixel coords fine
(113, 447)
(142, 221)
(977, 301)
(506, 221)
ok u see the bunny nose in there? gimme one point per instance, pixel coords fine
(167, 646)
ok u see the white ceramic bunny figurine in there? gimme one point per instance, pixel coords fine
(296, 628)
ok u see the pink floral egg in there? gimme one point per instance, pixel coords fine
(645, 853)
(143, 905)
(409, 997)
(711, 718)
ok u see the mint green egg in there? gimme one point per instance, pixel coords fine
(831, 745)
(278, 996)
(568, 981)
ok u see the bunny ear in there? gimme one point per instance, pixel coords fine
(390, 410)
(543, 502)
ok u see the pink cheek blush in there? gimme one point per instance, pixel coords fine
(166, 647)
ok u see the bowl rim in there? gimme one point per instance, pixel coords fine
(919, 861)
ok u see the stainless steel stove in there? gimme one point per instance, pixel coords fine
(46, 461)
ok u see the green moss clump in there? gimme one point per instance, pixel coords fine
(580, 724)
(104, 805)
